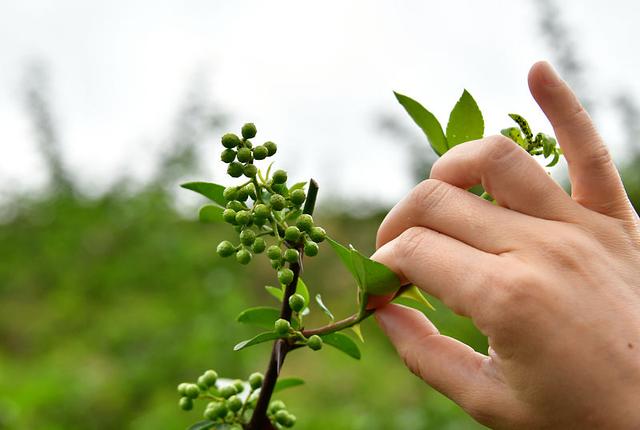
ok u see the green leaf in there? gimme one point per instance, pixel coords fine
(412, 292)
(262, 316)
(324, 308)
(284, 383)
(298, 185)
(426, 121)
(376, 278)
(465, 121)
(210, 213)
(372, 277)
(302, 289)
(202, 425)
(554, 161)
(345, 256)
(213, 192)
(262, 337)
(343, 343)
(357, 330)
(276, 292)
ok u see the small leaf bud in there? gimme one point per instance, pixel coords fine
(305, 222)
(234, 404)
(285, 276)
(277, 202)
(247, 237)
(228, 155)
(311, 249)
(274, 252)
(261, 211)
(279, 177)
(271, 148)
(250, 170)
(186, 404)
(315, 342)
(228, 391)
(317, 234)
(255, 380)
(243, 256)
(292, 234)
(297, 197)
(260, 152)
(225, 249)
(259, 245)
(291, 255)
(235, 169)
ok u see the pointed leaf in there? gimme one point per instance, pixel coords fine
(554, 161)
(284, 383)
(412, 292)
(377, 278)
(213, 192)
(342, 342)
(210, 213)
(357, 330)
(262, 337)
(324, 308)
(275, 292)
(345, 256)
(426, 121)
(298, 185)
(261, 316)
(465, 121)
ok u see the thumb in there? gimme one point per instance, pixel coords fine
(449, 366)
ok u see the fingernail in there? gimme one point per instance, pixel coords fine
(550, 77)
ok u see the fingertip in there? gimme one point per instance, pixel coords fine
(543, 74)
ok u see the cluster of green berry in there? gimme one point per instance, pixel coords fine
(264, 206)
(284, 328)
(232, 402)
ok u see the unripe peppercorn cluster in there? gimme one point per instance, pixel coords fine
(265, 207)
(227, 402)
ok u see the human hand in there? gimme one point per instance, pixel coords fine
(553, 280)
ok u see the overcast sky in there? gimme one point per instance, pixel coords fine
(313, 76)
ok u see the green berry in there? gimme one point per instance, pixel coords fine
(234, 404)
(235, 205)
(277, 202)
(230, 193)
(242, 195)
(276, 405)
(259, 245)
(244, 155)
(284, 418)
(276, 264)
(296, 303)
(249, 131)
(255, 380)
(297, 197)
(239, 385)
(279, 177)
(215, 411)
(225, 249)
(235, 169)
(292, 234)
(247, 237)
(243, 217)
(311, 249)
(274, 252)
(230, 140)
(209, 378)
(250, 189)
(228, 155)
(243, 256)
(229, 215)
(281, 326)
(260, 152)
(291, 255)
(271, 148)
(305, 222)
(186, 404)
(317, 234)
(228, 391)
(250, 170)
(192, 391)
(261, 211)
(285, 276)
(315, 342)
(182, 388)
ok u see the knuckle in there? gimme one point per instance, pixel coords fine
(429, 194)
(500, 148)
(409, 243)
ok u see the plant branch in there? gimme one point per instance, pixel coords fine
(339, 325)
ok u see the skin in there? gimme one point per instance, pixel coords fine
(552, 280)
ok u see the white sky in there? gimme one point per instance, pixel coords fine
(313, 76)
